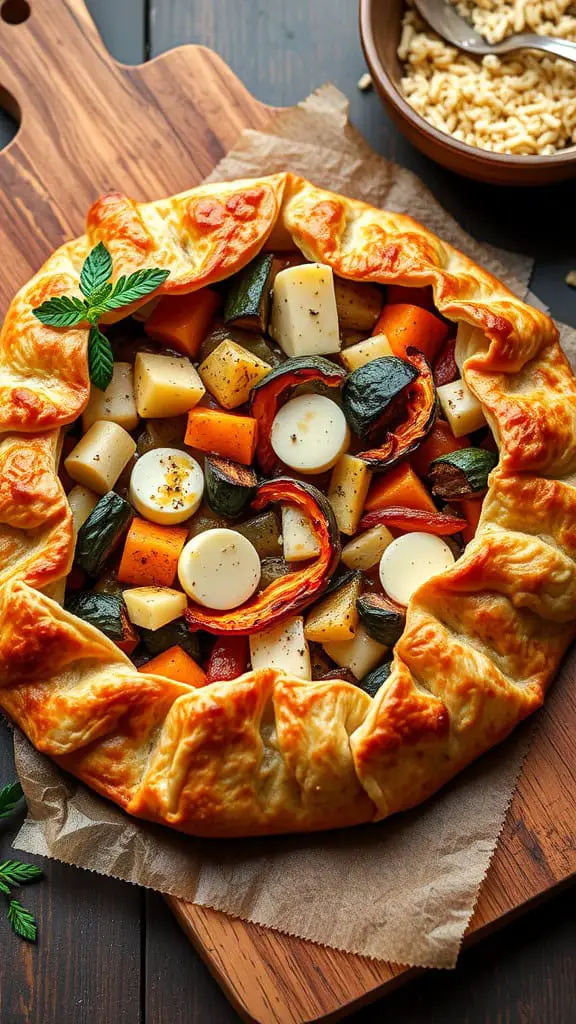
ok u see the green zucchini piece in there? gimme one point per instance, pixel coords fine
(372, 682)
(374, 395)
(177, 632)
(382, 620)
(263, 532)
(102, 531)
(107, 612)
(340, 579)
(247, 301)
(461, 474)
(272, 568)
(229, 486)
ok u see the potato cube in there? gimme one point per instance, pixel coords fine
(230, 372)
(165, 385)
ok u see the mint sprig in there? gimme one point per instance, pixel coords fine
(100, 296)
(16, 873)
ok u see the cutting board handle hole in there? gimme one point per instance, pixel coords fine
(10, 117)
(14, 12)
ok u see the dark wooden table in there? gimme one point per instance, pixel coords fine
(110, 953)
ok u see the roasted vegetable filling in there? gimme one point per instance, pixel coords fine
(277, 463)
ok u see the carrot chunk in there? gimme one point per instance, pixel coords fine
(405, 325)
(151, 553)
(399, 487)
(440, 441)
(222, 433)
(183, 321)
(176, 664)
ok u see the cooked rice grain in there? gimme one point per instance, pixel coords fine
(524, 104)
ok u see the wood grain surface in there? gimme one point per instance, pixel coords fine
(109, 953)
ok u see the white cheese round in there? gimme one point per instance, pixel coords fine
(166, 486)
(310, 433)
(411, 560)
(219, 568)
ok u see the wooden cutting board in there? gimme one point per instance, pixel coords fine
(89, 125)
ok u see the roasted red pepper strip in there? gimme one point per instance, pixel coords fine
(275, 389)
(445, 368)
(288, 594)
(229, 658)
(419, 420)
(411, 520)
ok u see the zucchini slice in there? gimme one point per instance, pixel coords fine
(382, 620)
(263, 531)
(462, 474)
(372, 682)
(248, 297)
(99, 535)
(175, 633)
(107, 612)
(276, 388)
(375, 394)
(229, 486)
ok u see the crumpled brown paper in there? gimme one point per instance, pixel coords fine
(403, 890)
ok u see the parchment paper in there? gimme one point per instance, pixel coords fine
(403, 890)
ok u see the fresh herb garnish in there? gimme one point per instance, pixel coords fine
(15, 872)
(100, 296)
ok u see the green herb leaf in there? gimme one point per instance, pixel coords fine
(22, 921)
(14, 872)
(9, 797)
(96, 271)
(98, 298)
(61, 311)
(4, 888)
(100, 359)
(135, 286)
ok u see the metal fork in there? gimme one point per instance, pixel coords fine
(445, 20)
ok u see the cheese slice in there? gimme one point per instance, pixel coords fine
(360, 655)
(283, 647)
(461, 408)
(298, 539)
(411, 560)
(166, 486)
(154, 607)
(116, 403)
(304, 318)
(310, 433)
(219, 568)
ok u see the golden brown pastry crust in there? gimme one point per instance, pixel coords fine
(268, 753)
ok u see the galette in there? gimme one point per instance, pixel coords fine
(287, 508)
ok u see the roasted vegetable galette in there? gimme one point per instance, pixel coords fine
(287, 502)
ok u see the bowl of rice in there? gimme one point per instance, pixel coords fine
(509, 119)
